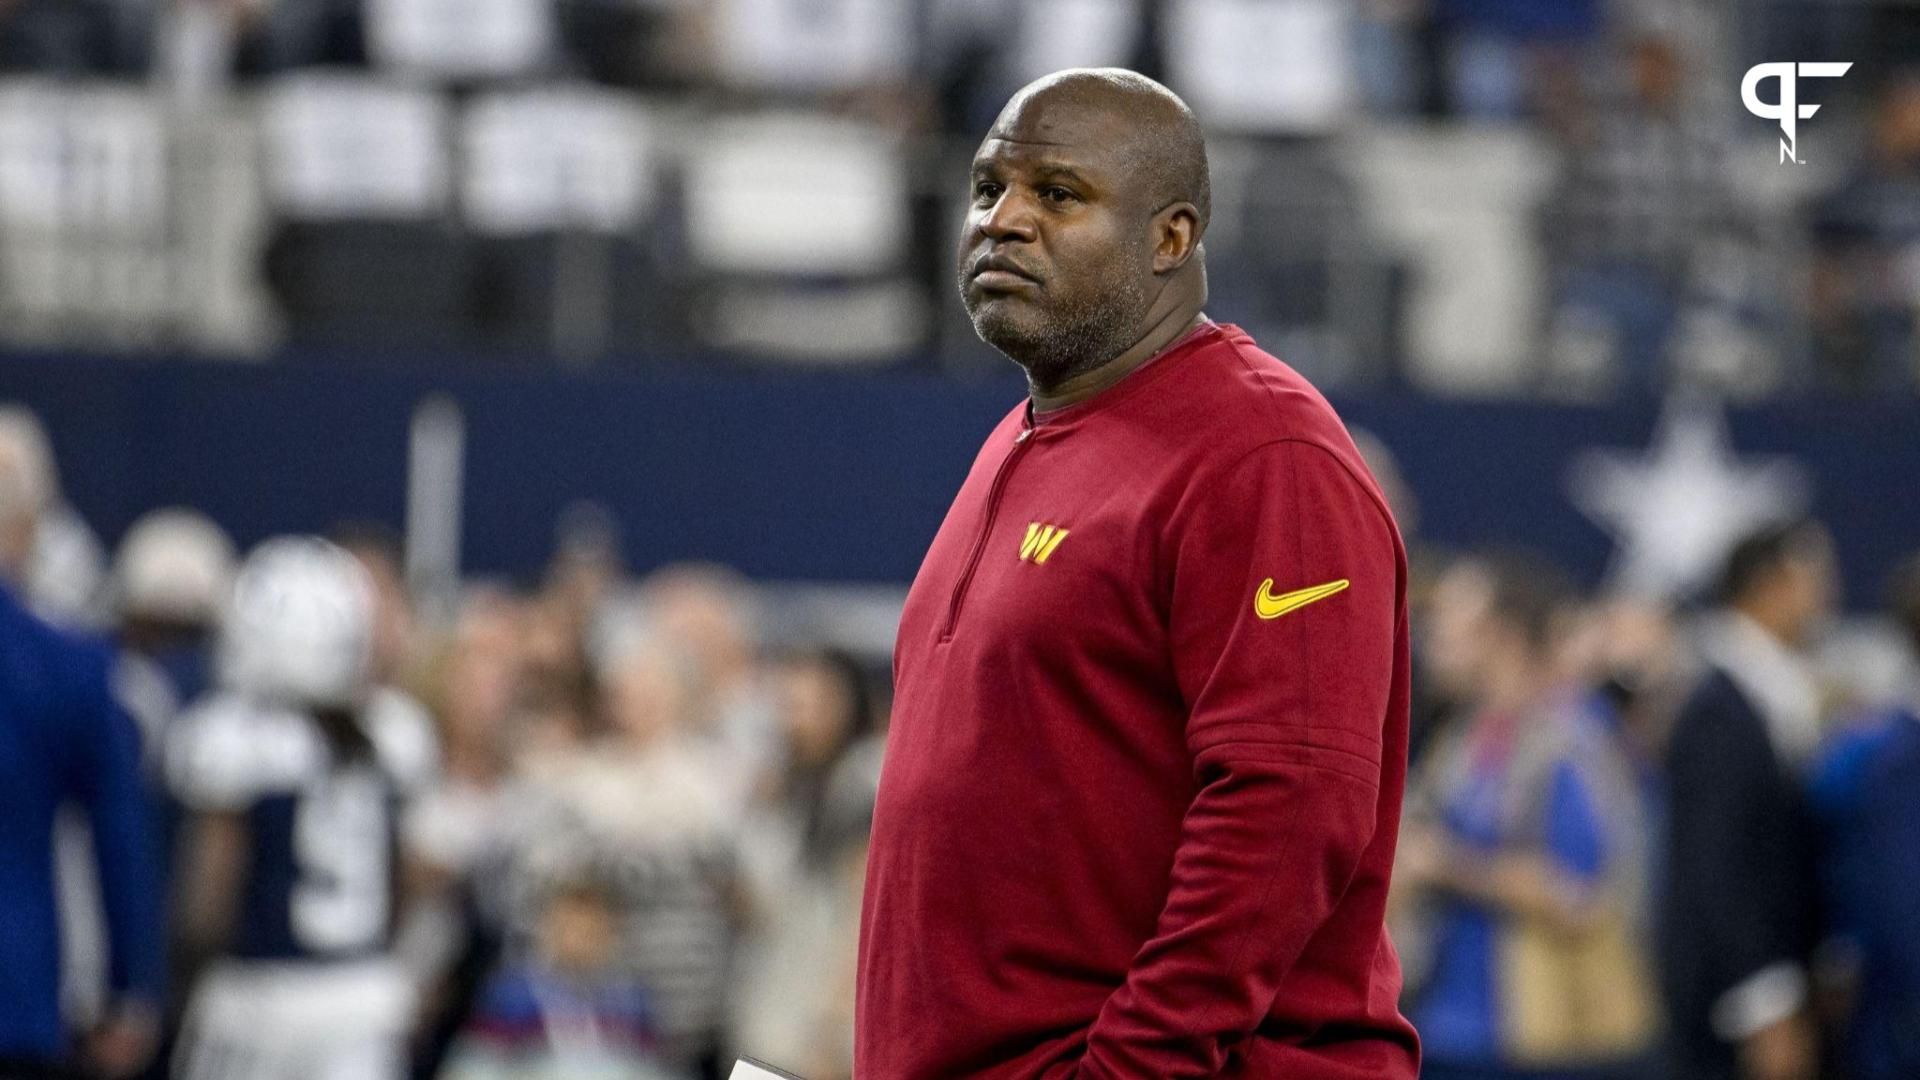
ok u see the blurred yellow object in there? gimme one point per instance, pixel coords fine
(1575, 996)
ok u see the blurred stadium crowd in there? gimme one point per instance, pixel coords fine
(632, 831)
(1511, 196)
(630, 828)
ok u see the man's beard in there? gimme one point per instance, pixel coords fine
(1075, 337)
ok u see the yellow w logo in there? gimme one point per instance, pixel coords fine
(1040, 542)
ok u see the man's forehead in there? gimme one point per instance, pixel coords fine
(1064, 137)
(1052, 116)
(1040, 156)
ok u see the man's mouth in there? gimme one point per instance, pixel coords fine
(997, 273)
(1002, 280)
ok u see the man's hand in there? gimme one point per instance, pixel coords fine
(1784, 1050)
(123, 1044)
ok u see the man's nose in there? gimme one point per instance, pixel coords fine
(1009, 218)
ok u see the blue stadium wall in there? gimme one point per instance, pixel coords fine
(828, 476)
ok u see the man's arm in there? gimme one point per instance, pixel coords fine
(1288, 702)
(211, 771)
(212, 872)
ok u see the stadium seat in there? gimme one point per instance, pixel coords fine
(358, 171)
(812, 45)
(461, 40)
(1460, 206)
(1276, 67)
(797, 227)
(555, 158)
(1295, 262)
(83, 210)
(1074, 33)
(559, 187)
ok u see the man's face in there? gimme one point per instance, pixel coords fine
(1810, 581)
(1055, 261)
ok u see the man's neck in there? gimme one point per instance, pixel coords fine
(1164, 332)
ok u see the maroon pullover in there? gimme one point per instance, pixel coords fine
(1148, 742)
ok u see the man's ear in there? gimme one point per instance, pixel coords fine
(1176, 236)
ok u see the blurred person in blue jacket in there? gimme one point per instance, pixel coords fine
(65, 741)
(1867, 792)
(1521, 883)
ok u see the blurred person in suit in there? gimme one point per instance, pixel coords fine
(1522, 877)
(1739, 912)
(65, 741)
(1867, 791)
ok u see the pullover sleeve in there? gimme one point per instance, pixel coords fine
(1285, 585)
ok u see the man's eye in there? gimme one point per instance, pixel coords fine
(986, 191)
(1056, 194)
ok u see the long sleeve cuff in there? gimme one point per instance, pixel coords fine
(1759, 1001)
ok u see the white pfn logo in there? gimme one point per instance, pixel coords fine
(1789, 111)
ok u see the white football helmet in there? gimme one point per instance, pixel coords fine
(298, 628)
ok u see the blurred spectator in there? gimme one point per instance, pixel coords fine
(461, 830)
(379, 551)
(1642, 189)
(64, 739)
(1866, 272)
(1634, 653)
(642, 807)
(170, 580)
(1740, 914)
(1867, 789)
(1523, 864)
(169, 583)
(63, 571)
(706, 610)
(570, 1012)
(808, 834)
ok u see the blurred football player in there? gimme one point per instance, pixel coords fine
(294, 772)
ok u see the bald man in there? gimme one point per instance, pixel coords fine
(1149, 735)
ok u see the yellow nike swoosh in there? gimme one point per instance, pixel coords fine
(1268, 606)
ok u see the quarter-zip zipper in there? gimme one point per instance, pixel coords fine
(1020, 444)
